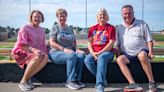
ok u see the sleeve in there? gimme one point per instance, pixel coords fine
(44, 43)
(90, 32)
(113, 34)
(71, 29)
(53, 33)
(23, 36)
(117, 37)
(74, 36)
(147, 33)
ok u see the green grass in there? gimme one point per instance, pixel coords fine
(158, 37)
(82, 46)
(159, 46)
(6, 46)
(11, 40)
(4, 57)
(79, 46)
(158, 58)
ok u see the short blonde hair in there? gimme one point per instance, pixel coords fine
(60, 11)
(36, 11)
(102, 10)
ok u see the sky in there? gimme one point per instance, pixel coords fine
(14, 13)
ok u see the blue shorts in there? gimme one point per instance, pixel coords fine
(134, 59)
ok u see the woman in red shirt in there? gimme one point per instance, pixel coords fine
(101, 38)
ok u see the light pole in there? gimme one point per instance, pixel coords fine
(142, 9)
(29, 7)
(86, 14)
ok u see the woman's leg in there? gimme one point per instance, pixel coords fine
(102, 62)
(61, 57)
(42, 63)
(29, 69)
(91, 64)
(79, 65)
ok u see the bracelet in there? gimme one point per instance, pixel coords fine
(30, 48)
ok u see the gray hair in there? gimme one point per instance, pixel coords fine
(102, 10)
(127, 6)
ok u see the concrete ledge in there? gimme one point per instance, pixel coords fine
(7, 51)
(53, 73)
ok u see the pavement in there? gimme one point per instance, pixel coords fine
(59, 87)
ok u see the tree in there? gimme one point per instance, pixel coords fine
(2, 29)
(47, 30)
(55, 22)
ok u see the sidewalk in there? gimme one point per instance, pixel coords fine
(13, 87)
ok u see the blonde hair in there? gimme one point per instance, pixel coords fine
(36, 11)
(102, 10)
(60, 11)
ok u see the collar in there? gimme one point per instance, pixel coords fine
(133, 24)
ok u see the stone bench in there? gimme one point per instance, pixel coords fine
(53, 73)
(9, 71)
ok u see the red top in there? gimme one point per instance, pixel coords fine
(101, 35)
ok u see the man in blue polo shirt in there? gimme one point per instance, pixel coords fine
(134, 44)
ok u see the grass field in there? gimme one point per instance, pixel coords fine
(158, 37)
(79, 45)
(4, 57)
(159, 46)
(6, 46)
(11, 40)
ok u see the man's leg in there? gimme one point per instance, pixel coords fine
(143, 58)
(122, 60)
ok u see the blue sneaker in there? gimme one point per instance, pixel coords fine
(100, 88)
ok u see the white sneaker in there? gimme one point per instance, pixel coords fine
(100, 88)
(72, 85)
(24, 86)
(81, 84)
